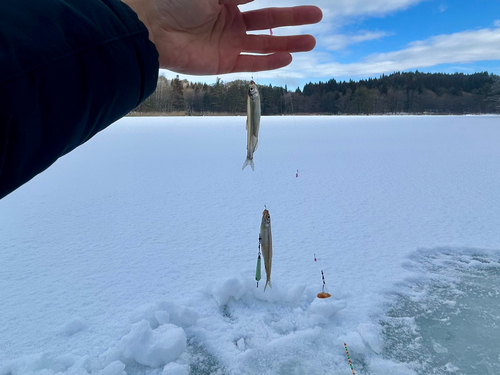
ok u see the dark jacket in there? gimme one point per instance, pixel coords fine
(68, 69)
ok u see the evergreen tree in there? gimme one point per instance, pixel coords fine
(409, 92)
(178, 103)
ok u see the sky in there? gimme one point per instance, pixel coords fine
(360, 39)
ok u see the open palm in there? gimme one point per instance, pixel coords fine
(209, 37)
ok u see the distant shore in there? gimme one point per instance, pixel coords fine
(212, 114)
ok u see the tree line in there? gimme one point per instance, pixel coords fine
(407, 92)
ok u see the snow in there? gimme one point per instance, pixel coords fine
(153, 348)
(75, 325)
(114, 368)
(136, 252)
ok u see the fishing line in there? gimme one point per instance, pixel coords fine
(297, 156)
(285, 107)
(256, 180)
(303, 190)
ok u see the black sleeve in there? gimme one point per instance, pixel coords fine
(68, 69)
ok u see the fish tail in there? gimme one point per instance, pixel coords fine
(268, 282)
(248, 162)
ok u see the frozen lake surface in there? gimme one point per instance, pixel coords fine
(136, 252)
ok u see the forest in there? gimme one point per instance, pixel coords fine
(397, 93)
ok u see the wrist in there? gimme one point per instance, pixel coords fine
(140, 8)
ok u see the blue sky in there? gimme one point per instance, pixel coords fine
(366, 38)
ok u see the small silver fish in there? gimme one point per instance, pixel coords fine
(266, 245)
(253, 123)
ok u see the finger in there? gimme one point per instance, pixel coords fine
(250, 63)
(276, 17)
(271, 44)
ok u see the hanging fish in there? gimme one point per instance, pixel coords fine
(253, 123)
(266, 245)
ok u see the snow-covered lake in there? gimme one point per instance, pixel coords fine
(136, 252)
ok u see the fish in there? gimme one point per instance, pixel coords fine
(266, 245)
(253, 123)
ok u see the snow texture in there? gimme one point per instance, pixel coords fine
(136, 253)
(153, 348)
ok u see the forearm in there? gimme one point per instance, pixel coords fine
(68, 69)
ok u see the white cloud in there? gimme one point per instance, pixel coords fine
(459, 48)
(340, 41)
(369, 7)
(497, 23)
(462, 47)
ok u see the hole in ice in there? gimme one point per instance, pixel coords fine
(451, 322)
(203, 362)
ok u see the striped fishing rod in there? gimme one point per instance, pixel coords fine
(349, 358)
(323, 294)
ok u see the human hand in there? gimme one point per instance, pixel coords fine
(208, 37)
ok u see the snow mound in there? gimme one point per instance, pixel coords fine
(45, 363)
(74, 326)
(114, 368)
(225, 289)
(326, 307)
(175, 369)
(153, 348)
(164, 312)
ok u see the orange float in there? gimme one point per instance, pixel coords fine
(324, 295)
